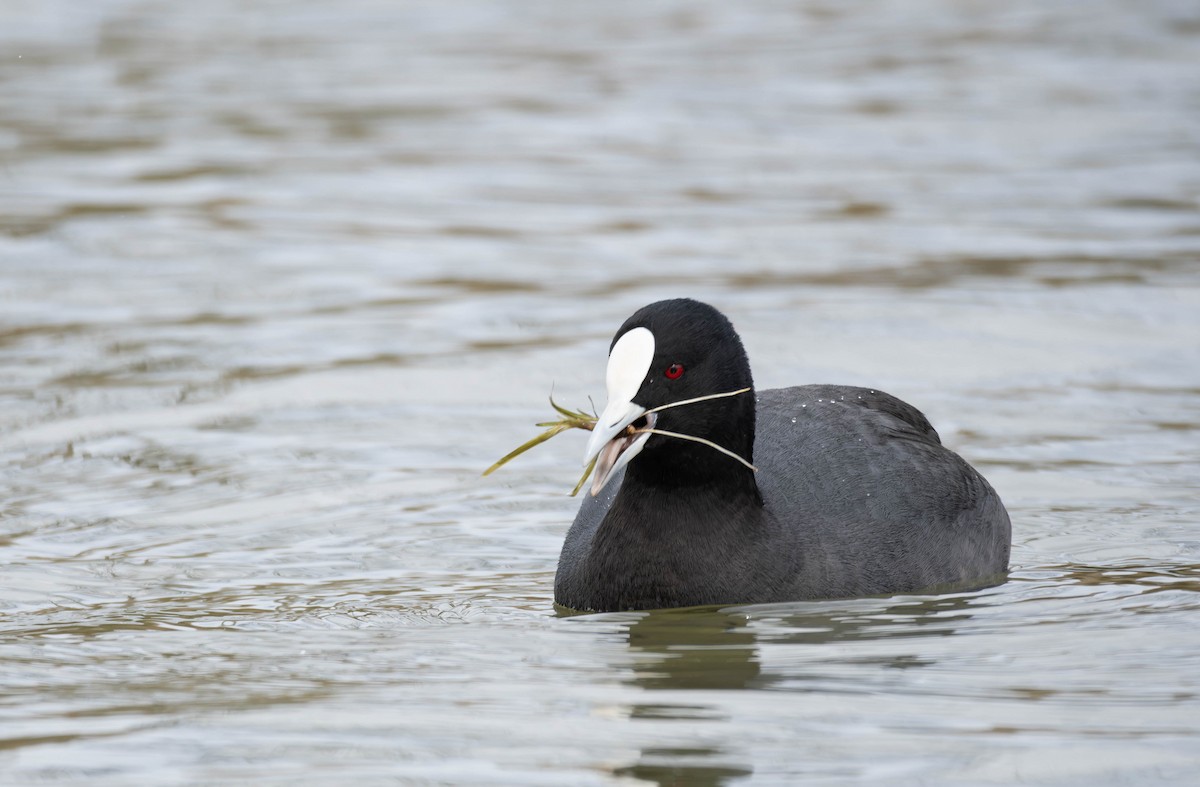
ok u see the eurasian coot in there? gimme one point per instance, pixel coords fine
(854, 493)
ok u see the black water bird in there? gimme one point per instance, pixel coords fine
(843, 491)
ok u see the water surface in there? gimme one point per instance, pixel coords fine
(277, 281)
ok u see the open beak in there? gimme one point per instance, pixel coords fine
(612, 443)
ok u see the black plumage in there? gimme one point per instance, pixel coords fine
(854, 494)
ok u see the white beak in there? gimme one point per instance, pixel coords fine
(628, 364)
(611, 444)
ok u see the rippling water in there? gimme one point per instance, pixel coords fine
(277, 280)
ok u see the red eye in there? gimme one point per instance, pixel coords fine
(674, 371)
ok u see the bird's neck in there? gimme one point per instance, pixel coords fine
(670, 547)
(686, 507)
(690, 473)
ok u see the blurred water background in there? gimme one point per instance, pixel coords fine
(279, 279)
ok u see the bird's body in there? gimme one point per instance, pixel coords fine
(853, 495)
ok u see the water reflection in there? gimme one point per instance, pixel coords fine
(704, 650)
(683, 766)
(906, 617)
(709, 648)
(694, 649)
